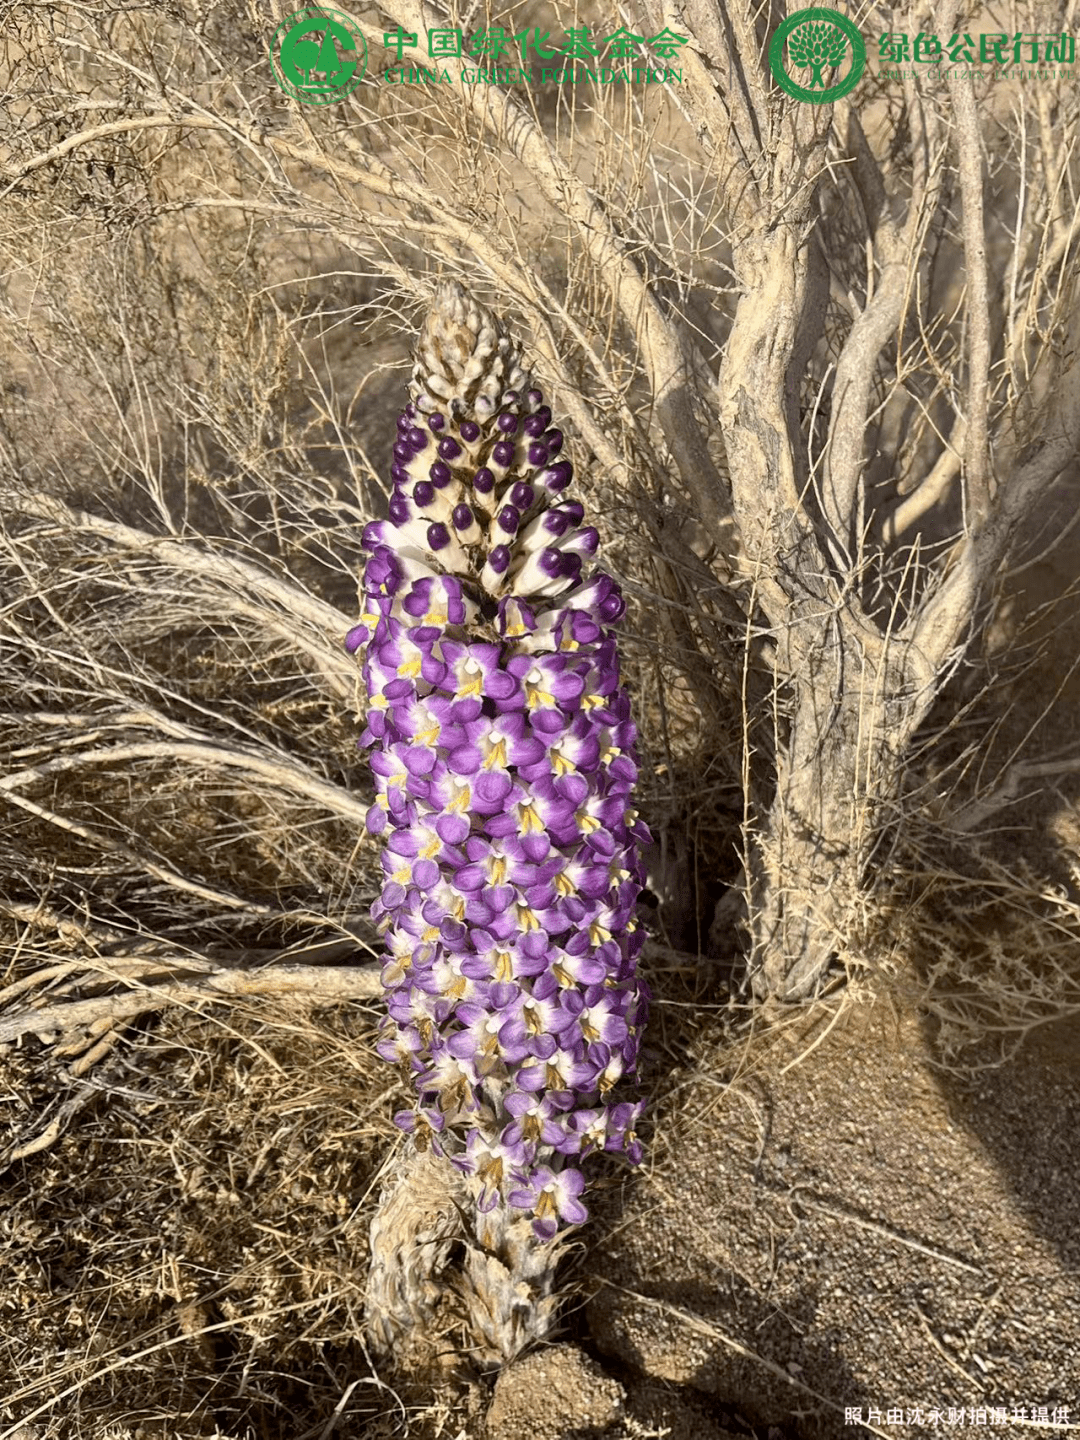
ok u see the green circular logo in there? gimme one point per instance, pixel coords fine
(318, 55)
(818, 41)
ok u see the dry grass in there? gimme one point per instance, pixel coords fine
(193, 1257)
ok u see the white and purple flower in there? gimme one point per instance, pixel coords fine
(503, 759)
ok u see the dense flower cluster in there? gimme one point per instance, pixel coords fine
(503, 752)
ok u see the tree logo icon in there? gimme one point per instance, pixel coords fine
(819, 43)
(318, 55)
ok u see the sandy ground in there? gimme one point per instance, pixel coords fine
(855, 1232)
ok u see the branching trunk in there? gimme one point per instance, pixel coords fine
(808, 860)
(866, 620)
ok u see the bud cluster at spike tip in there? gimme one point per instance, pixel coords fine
(503, 754)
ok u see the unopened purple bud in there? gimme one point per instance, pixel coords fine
(399, 510)
(554, 441)
(507, 423)
(449, 448)
(436, 420)
(586, 543)
(558, 476)
(510, 397)
(556, 523)
(535, 425)
(522, 495)
(484, 481)
(612, 608)
(462, 517)
(538, 454)
(470, 431)
(423, 492)
(534, 397)
(551, 563)
(499, 559)
(438, 536)
(503, 453)
(399, 474)
(417, 439)
(402, 450)
(509, 518)
(439, 474)
(573, 510)
(403, 424)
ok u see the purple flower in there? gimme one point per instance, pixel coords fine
(503, 756)
(538, 1118)
(552, 1196)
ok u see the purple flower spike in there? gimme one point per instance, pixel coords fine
(502, 755)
